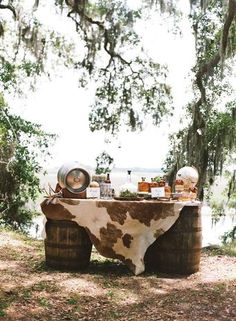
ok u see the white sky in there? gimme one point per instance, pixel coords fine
(63, 109)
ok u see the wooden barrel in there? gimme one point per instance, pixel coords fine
(178, 251)
(67, 245)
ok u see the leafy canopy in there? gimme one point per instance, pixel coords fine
(22, 145)
(130, 86)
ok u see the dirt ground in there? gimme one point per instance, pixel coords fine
(107, 290)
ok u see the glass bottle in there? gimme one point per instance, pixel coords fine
(153, 183)
(143, 186)
(193, 193)
(106, 189)
(179, 185)
(161, 183)
(107, 180)
(128, 186)
(129, 175)
(167, 190)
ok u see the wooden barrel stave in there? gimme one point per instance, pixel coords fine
(67, 245)
(179, 249)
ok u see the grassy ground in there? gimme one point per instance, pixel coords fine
(228, 249)
(108, 291)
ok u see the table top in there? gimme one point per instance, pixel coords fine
(76, 201)
(118, 229)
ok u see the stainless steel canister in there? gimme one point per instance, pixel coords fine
(72, 177)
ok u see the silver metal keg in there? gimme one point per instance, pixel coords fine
(72, 177)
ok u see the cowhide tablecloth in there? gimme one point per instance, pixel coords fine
(118, 229)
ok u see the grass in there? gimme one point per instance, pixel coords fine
(48, 286)
(3, 306)
(228, 249)
(43, 302)
(6, 299)
(113, 315)
(72, 301)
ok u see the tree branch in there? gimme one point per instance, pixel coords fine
(207, 68)
(108, 44)
(228, 22)
(111, 50)
(9, 7)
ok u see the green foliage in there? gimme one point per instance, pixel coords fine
(10, 72)
(104, 163)
(125, 98)
(218, 210)
(30, 68)
(207, 27)
(23, 144)
(7, 74)
(221, 138)
(128, 194)
(30, 49)
(229, 237)
(130, 86)
(209, 139)
(219, 141)
(25, 50)
(228, 249)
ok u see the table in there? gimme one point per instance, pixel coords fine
(118, 229)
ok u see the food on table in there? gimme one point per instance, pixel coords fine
(128, 194)
(94, 184)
